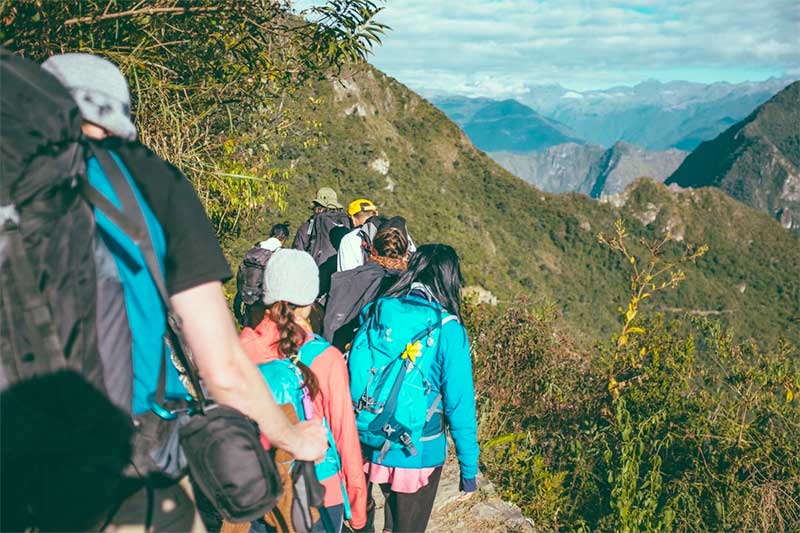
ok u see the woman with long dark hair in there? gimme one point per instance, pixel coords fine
(418, 327)
(291, 285)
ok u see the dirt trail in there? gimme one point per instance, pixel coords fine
(483, 512)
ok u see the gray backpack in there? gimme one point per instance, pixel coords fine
(319, 231)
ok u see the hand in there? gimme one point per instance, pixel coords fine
(310, 441)
(465, 496)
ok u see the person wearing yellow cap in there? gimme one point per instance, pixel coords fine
(355, 246)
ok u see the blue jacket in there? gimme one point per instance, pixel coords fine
(451, 375)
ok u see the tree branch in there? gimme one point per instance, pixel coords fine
(140, 12)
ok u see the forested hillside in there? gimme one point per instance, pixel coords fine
(756, 161)
(380, 140)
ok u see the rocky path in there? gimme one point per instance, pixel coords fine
(483, 512)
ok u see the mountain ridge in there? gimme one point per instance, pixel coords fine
(651, 114)
(514, 240)
(510, 125)
(756, 161)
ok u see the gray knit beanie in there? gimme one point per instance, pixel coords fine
(291, 276)
(99, 89)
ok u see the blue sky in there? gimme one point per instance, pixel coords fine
(498, 47)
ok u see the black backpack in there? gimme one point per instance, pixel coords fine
(51, 286)
(250, 281)
(46, 220)
(319, 229)
(48, 353)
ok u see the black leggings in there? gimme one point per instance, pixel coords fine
(410, 512)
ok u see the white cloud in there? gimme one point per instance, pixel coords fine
(497, 48)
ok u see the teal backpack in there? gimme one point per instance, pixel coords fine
(390, 362)
(285, 381)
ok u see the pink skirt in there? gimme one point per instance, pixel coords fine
(406, 480)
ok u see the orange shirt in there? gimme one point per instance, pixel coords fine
(333, 401)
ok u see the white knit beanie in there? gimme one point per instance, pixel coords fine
(99, 88)
(291, 276)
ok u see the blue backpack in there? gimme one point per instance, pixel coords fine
(285, 381)
(390, 363)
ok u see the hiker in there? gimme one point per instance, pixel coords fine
(329, 267)
(291, 283)
(400, 223)
(411, 357)
(278, 235)
(355, 246)
(351, 290)
(313, 236)
(247, 306)
(179, 235)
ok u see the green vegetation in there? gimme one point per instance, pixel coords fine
(671, 426)
(517, 240)
(209, 78)
(678, 422)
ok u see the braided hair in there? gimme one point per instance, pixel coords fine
(390, 242)
(292, 337)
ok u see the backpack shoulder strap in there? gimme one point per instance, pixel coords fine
(449, 318)
(131, 221)
(312, 349)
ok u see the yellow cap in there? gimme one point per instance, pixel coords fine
(359, 206)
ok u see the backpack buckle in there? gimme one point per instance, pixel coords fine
(405, 440)
(365, 403)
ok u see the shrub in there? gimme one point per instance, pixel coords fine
(668, 426)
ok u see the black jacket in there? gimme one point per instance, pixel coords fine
(350, 291)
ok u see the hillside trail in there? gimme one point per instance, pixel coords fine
(484, 512)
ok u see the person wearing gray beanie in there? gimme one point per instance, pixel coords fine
(291, 276)
(291, 284)
(99, 89)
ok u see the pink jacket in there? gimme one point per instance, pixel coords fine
(333, 400)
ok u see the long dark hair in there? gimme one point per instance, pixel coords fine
(438, 268)
(292, 337)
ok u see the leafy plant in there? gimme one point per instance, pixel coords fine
(677, 428)
(210, 79)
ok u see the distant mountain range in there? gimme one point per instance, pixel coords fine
(514, 239)
(757, 161)
(588, 168)
(505, 125)
(652, 114)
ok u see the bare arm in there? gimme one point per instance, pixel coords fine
(230, 376)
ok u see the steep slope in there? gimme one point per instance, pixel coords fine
(590, 169)
(757, 161)
(561, 168)
(623, 163)
(652, 114)
(516, 240)
(505, 125)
